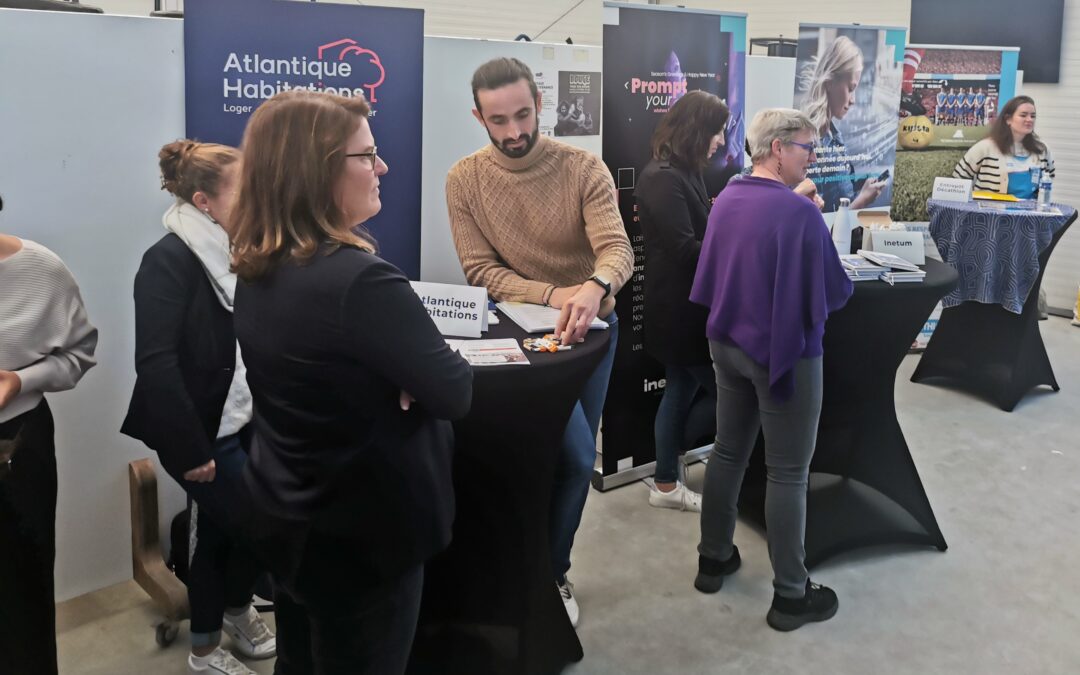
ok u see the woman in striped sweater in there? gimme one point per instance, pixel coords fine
(1002, 161)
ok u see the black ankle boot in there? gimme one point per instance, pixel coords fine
(711, 573)
(819, 604)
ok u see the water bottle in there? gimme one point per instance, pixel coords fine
(841, 228)
(1046, 184)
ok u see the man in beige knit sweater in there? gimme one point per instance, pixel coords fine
(535, 220)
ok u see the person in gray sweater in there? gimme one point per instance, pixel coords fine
(46, 345)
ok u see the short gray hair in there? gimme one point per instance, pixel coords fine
(771, 124)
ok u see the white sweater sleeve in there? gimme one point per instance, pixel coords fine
(70, 358)
(49, 341)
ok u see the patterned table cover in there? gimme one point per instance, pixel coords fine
(996, 252)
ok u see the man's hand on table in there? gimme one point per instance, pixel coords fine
(577, 311)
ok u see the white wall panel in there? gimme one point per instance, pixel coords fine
(1058, 106)
(773, 18)
(451, 132)
(493, 19)
(78, 171)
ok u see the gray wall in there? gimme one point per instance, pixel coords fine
(87, 102)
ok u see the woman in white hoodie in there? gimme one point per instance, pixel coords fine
(191, 402)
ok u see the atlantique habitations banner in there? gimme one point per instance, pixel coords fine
(234, 62)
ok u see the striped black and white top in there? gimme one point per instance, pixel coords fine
(983, 164)
(45, 336)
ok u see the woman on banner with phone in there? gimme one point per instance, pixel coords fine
(673, 207)
(830, 83)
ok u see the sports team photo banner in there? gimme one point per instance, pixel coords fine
(652, 57)
(234, 62)
(847, 80)
(951, 96)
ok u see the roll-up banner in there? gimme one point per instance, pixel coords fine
(239, 53)
(847, 80)
(951, 96)
(652, 56)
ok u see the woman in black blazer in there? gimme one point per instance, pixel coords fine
(191, 403)
(673, 208)
(353, 388)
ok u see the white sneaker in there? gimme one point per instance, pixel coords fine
(218, 662)
(566, 590)
(250, 634)
(681, 498)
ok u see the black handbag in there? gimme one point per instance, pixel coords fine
(8, 448)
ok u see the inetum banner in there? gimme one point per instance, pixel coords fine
(233, 64)
(652, 57)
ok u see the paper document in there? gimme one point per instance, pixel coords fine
(503, 352)
(1027, 208)
(994, 196)
(537, 318)
(889, 260)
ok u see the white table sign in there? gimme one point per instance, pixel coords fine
(903, 244)
(952, 189)
(460, 311)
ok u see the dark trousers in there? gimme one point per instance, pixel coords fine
(669, 427)
(336, 619)
(223, 571)
(28, 546)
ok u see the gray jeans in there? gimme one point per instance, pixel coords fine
(743, 406)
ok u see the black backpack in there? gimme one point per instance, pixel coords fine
(178, 537)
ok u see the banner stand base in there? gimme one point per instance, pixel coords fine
(632, 475)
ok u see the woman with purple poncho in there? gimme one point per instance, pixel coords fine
(770, 276)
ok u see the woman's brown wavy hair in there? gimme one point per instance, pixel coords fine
(684, 133)
(294, 154)
(1002, 134)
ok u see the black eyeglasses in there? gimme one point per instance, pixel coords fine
(372, 155)
(809, 147)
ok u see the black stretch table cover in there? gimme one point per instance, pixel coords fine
(490, 604)
(991, 351)
(864, 488)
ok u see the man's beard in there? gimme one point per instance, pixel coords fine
(518, 153)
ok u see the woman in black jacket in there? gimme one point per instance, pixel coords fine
(353, 388)
(191, 402)
(673, 208)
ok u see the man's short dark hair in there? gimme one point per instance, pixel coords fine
(499, 73)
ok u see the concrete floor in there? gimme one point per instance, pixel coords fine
(1005, 597)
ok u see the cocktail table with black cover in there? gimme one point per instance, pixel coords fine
(864, 487)
(988, 338)
(490, 604)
